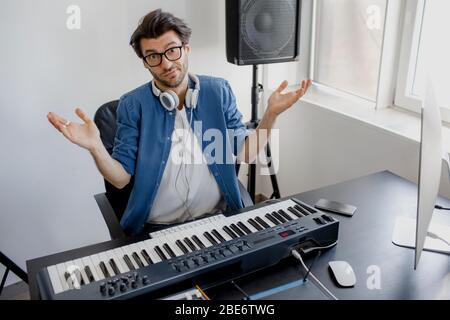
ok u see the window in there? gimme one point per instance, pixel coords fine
(348, 44)
(425, 54)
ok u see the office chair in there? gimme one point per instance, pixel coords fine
(113, 202)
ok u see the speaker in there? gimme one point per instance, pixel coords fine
(262, 31)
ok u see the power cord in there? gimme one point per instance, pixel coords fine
(298, 256)
(438, 207)
(247, 297)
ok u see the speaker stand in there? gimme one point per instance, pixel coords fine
(257, 89)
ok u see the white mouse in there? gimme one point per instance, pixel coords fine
(343, 273)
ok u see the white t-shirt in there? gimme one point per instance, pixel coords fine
(187, 189)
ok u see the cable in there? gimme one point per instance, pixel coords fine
(311, 266)
(247, 297)
(319, 248)
(438, 207)
(298, 256)
(202, 292)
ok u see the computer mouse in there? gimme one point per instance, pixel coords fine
(343, 273)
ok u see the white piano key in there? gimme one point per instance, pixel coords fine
(61, 270)
(112, 255)
(55, 279)
(129, 251)
(88, 262)
(150, 245)
(118, 258)
(70, 267)
(137, 249)
(141, 247)
(79, 263)
(105, 259)
(96, 261)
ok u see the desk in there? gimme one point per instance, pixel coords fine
(364, 241)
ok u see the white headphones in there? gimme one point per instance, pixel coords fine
(169, 99)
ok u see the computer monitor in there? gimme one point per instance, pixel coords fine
(420, 233)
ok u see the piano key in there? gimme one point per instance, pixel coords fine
(218, 236)
(300, 210)
(128, 262)
(210, 238)
(272, 219)
(198, 242)
(168, 243)
(238, 231)
(279, 217)
(55, 279)
(218, 225)
(74, 279)
(255, 224)
(105, 260)
(138, 250)
(96, 262)
(144, 253)
(190, 244)
(290, 214)
(307, 208)
(89, 264)
(138, 260)
(244, 227)
(150, 244)
(285, 215)
(104, 270)
(295, 212)
(79, 263)
(128, 251)
(230, 232)
(61, 270)
(262, 222)
(160, 253)
(89, 273)
(182, 246)
(118, 254)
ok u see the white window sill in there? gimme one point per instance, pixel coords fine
(393, 120)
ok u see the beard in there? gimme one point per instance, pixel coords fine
(174, 83)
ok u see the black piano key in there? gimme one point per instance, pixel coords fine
(244, 227)
(262, 222)
(295, 212)
(146, 257)
(300, 209)
(278, 217)
(190, 244)
(198, 242)
(104, 269)
(218, 235)
(127, 260)
(237, 230)
(210, 238)
(285, 215)
(230, 232)
(137, 260)
(310, 210)
(182, 246)
(89, 274)
(113, 265)
(255, 224)
(80, 277)
(272, 219)
(160, 253)
(169, 250)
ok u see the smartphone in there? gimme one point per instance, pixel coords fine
(336, 207)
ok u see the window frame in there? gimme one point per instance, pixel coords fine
(409, 54)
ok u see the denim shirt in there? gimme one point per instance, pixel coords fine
(144, 136)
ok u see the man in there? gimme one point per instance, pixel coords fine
(149, 120)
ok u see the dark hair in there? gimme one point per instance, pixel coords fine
(155, 24)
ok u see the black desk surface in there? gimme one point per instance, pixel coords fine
(364, 241)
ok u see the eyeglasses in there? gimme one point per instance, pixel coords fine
(155, 59)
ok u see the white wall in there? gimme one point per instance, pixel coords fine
(47, 184)
(319, 147)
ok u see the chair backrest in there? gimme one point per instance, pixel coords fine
(105, 119)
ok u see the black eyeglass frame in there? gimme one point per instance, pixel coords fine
(164, 54)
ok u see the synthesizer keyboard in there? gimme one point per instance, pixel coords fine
(197, 252)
